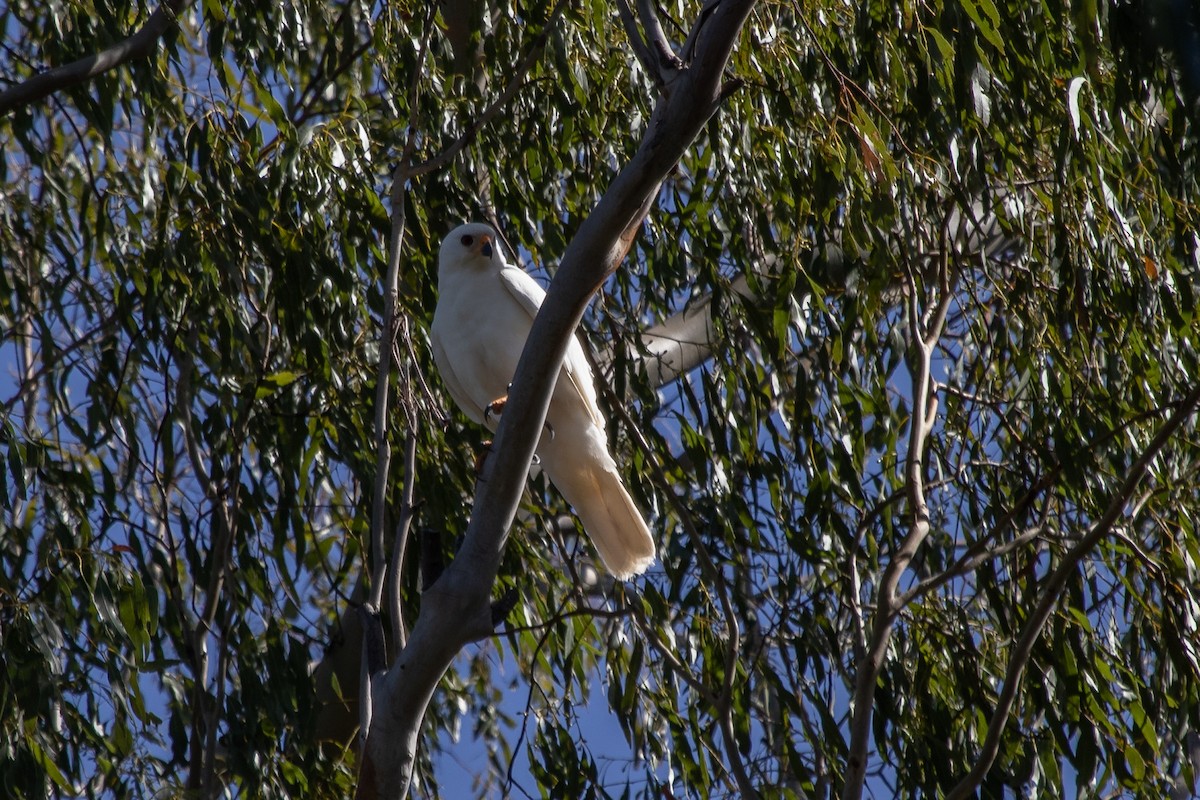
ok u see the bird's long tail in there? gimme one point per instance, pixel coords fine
(609, 516)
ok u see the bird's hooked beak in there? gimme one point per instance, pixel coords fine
(485, 246)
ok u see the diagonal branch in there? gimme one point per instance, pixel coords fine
(722, 701)
(1053, 590)
(139, 45)
(689, 47)
(636, 40)
(666, 62)
(336, 711)
(456, 610)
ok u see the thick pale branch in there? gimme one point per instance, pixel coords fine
(455, 610)
(139, 45)
(681, 343)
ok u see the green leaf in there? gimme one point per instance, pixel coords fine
(43, 761)
(1135, 765)
(945, 49)
(987, 20)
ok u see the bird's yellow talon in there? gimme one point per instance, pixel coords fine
(495, 408)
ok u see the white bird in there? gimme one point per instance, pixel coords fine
(484, 313)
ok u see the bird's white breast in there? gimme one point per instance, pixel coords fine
(482, 330)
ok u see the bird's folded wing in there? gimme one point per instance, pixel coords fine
(530, 294)
(460, 395)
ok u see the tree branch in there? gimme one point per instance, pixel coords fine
(139, 45)
(496, 106)
(723, 700)
(455, 610)
(924, 339)
(383, 450)
(636, 41)
(337, 712)
(387, 350)
(969, 562)
(666, 63)
(688, 338)
(1053, 590)
(400, 540)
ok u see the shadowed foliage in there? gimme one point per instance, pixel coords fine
(924, 493)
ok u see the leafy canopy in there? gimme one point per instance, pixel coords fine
(990, 205)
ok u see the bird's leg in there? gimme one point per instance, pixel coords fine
(485, 451)
(496, 408)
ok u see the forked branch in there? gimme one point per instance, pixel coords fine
(924, 331)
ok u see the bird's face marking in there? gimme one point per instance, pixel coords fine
(473, 244)
(482, 245)
(477, 245)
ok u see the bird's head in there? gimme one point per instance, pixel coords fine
(473, 246)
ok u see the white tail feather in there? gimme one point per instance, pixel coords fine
(609, 516)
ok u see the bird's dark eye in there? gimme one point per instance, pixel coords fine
(467, 240)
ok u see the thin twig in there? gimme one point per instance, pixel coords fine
(383, 451)
(210, 743)
(319, 81)
(400, 541)
(689, 47)
(969, 562)
(666, 63)
(636, 41)
(723, 707)
(558, 616)
(682, 670)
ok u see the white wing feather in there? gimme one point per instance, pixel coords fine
(457, 391)
(530, 295)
